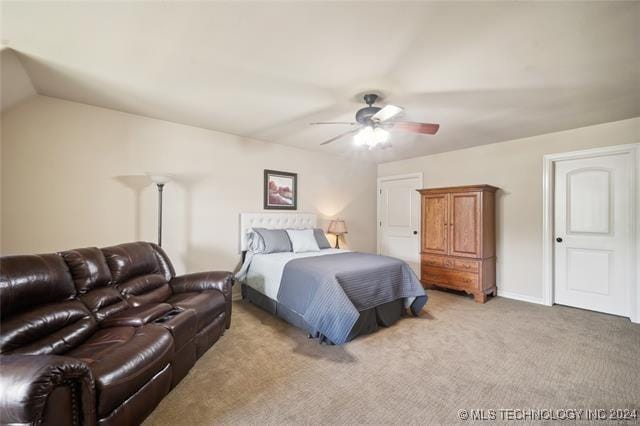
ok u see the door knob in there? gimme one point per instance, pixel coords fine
(559, 239)
(415, 232)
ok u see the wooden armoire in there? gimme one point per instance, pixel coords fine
(458, 244)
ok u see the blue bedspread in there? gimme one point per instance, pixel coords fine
(330, 291)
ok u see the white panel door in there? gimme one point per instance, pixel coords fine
(593, 233)
(400, 220)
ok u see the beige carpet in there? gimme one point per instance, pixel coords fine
(458, 355)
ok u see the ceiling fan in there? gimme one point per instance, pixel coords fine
(374, 123)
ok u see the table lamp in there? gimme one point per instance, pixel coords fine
(337, 227)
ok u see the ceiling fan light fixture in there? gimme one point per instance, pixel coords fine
(371, 136)
(363, 136)
(380, 135)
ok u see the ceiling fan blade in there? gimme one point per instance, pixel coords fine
(350, 123)
(387, 112)
(335, 138)
(407, 126)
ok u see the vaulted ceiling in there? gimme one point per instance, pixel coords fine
(487, 72)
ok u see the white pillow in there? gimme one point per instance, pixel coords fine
(303, 240)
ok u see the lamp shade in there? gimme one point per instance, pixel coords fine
(337, 227)
(159, 179)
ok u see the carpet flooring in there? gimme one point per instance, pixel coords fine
(457, 355)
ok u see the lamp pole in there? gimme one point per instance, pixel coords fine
(160, 181)
(160, 188)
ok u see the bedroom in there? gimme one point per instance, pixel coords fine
(96, 97)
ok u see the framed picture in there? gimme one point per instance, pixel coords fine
(280, 190)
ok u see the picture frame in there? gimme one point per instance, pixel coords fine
(280, 190)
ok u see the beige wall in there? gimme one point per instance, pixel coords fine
(515, 167)
(15, 84)
(71, 177)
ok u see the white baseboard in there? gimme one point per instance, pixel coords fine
(521, 297)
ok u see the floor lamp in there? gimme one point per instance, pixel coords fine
(160, 181)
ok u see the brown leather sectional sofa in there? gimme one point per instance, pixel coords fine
(101, 335)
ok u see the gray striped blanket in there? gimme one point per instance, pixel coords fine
(330, 291)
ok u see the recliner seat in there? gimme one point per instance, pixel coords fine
(144, 275)
(101, 335)
(122, 360)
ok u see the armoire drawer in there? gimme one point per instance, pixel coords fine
(462, 265)
(433, 260)
(450, 278)
(466, 265)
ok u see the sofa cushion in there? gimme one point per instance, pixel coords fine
(31, 280)
(127, 261)
(39, 315)
(138, 406)
(123, 359)
(88, 267)
(104, 302)
(139, 272)
(145, 289)
(92, 279)
(207, 305)
(164, 264)
(51, 329)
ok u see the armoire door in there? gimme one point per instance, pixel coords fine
(464, 224)
(434, 223)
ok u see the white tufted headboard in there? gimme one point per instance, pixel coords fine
(274, 221)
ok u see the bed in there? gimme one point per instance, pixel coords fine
(334, 295)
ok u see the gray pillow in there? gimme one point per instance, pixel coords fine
(321, 239)
(254, 242)
(274, 240)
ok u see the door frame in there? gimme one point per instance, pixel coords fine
(379, 201)
(548, 218)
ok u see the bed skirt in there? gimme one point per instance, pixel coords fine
(369, 321)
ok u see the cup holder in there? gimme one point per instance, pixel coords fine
(169, 315)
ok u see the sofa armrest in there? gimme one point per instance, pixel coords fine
(203, 281)
(27, 382)
(136, 317)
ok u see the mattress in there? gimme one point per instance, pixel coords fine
(263, 272)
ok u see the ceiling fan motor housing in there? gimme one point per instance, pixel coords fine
(363, 116)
